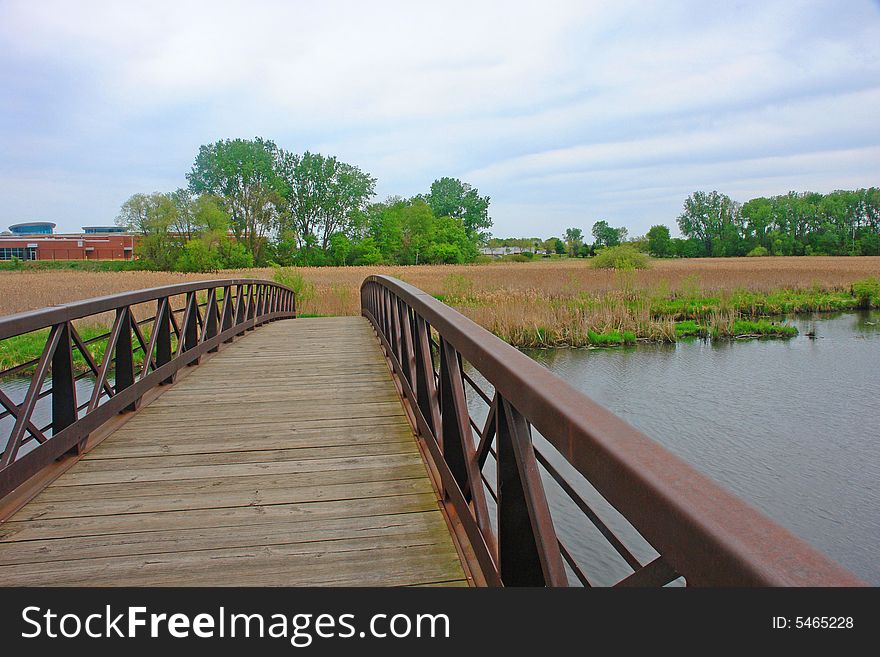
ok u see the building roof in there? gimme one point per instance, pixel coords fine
(32, 223)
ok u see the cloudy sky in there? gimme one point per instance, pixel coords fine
(563, 112)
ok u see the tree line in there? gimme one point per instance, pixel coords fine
(842, 222)
(303, 209)
(713, 225)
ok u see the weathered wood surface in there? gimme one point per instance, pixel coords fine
(285, 460)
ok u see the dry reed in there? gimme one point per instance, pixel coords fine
(544, 302)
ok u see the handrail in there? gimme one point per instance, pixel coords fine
(701, 531)
(230, 308)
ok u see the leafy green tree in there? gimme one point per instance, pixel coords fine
(325, 196)
(198, 256)
(244, 174)
(659, 241)
(605, 235)
(450, 237)
(366, 252)
(689, 248)
(340, 249)
(152, 216)
(574, 237)
(708, 217)
(450, 197)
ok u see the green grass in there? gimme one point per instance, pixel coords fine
(75, 265)
(690, 328)
(760, 328)
(611, 338)
(755, 304)
(23, 348)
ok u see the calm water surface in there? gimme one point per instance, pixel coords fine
(792, 426)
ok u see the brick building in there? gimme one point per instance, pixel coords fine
(38, 241)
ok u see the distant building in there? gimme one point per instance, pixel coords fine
(498, 251)
(37, 241)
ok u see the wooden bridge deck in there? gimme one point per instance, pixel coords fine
(286, 459)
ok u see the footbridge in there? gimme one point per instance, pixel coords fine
(211, 437)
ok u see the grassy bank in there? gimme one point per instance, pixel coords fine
(629, 315)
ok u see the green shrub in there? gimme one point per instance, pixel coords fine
(623, 256)
(758, 251)
(867, 291)
(198, 257)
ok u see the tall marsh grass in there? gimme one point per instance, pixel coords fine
(541, 303)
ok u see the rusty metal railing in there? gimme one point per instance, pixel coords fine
(139, 354)
(698, 530)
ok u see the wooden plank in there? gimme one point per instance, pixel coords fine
(241, 516)
(220, 496)
(279, 413)
(257, 427)
(190, 539)
(369, 563)
(113, 471)
(251, 453)
(245, 486)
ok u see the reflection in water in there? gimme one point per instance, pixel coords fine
(789, 425)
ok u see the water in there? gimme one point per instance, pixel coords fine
(792, 426)
(16, 389)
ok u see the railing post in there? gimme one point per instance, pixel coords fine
(240, 307)
(163, 336)
(426, 390)
(124, 370)
(211, 318)
(251, 305)
(528, 550)
(458, 442)
(406, 351)
(191, 325)
(228, 310)
(64, 411)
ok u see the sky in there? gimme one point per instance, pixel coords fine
(563, 113)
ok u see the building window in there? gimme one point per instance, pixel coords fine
(8, 253)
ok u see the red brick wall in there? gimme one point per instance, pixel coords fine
(101, 247)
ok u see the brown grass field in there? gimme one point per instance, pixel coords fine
(336, 287)
(512, 299)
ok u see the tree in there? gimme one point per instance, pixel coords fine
(659, 241)
(450, 197)
(324, 196)
(243, 173)
(152, 216)
(708, 217)
(605, 235)
(574, 237)
(366, 252)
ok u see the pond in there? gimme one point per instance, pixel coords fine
(792, 426)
